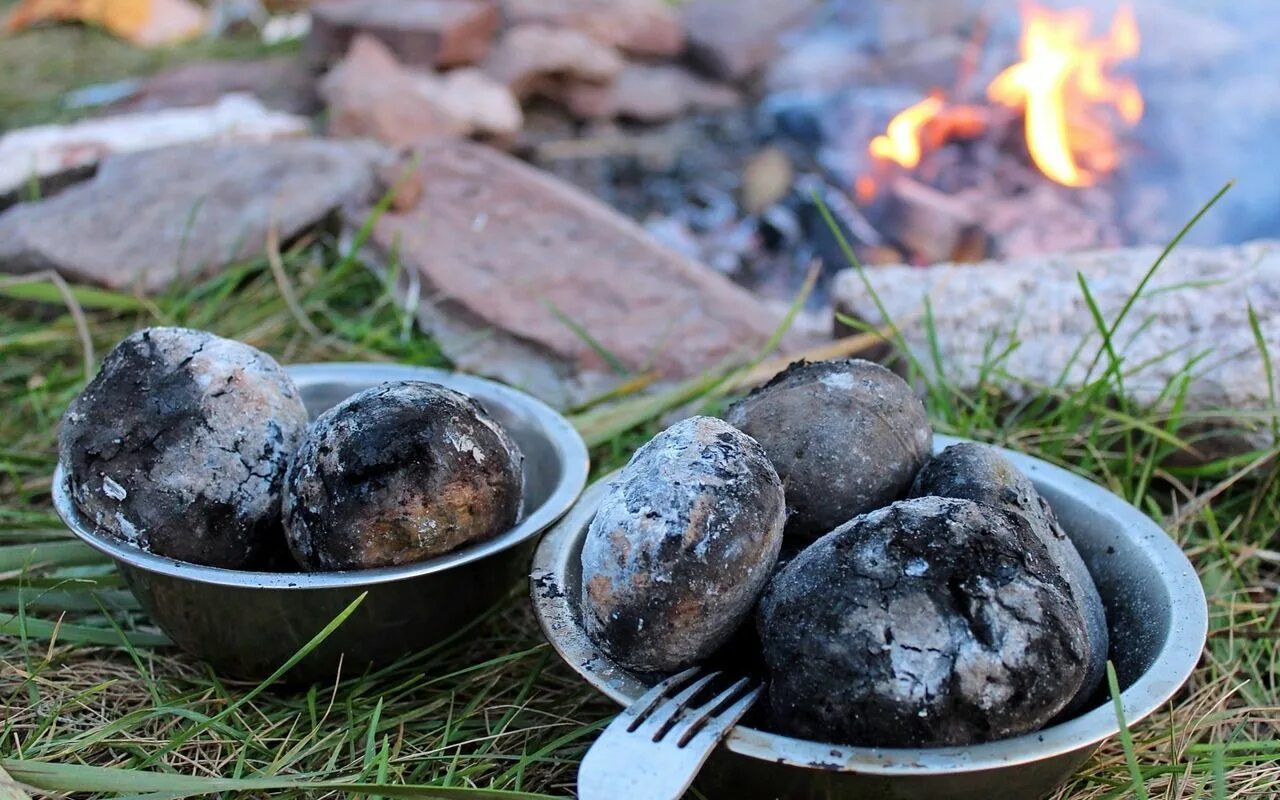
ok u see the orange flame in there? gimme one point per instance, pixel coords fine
(1060, 84)
(925, 126)
(901, 140)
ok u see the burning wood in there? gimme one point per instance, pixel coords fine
(932, 225)
(949, 167)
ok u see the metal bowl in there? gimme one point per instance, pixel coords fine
(1158, 621)
(247, 624)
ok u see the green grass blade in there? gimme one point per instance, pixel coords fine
(1268, 368)
(56, 554)
(143, 783)
(280, 672)
(67, 599)
(89, 298)
(68, 633)
(612, 361)
(1137, 782)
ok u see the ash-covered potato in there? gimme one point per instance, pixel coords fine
(934, 621)
(976, 472)
(399, 473)
(845, 436)
(180, 444)
(681, 546)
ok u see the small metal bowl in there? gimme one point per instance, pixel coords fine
(247, 624)
(1158, 620)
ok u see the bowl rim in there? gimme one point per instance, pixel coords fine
(1170, 669)
(570, 449)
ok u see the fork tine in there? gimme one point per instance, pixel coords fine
(698, 716)
(710, 726)
(664, 716)
(640, 710)
(645, 762)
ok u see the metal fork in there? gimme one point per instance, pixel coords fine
(654, 748)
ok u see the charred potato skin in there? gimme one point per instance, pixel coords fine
(904, 628)
(399, 473)
(179, 446)
(681, 546)
(846, 437)
(973, 471)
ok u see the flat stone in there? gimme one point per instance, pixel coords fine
(1197, 303)
(735, 39)
(370, 94)
(148, 219)
(470, 94)
(533, 58)
(57, 151)
(426, 33)
(648, 93)
(639, 27)
(500, 255)
(282, 83)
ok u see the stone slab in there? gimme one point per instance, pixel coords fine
(1195, 307)
(424, 33)
(146, 220)
(501, 255)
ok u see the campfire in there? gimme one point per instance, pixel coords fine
(1061, 106)
(1060, 85)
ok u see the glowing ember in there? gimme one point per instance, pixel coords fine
(1063, 87)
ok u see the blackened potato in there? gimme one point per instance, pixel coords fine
(180, 444)
(681, 546)
(934, 621)
(399, 473)
(976, 472)
(845, 437)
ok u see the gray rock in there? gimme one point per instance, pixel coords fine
(646, 28)
(1196, 304)
(147, 219)
(648, 93)
(280, 82)
(54, 156)
(425, 33)
(734, 39)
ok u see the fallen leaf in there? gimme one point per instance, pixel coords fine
(120, 17)
(169, 22)
(144, 22)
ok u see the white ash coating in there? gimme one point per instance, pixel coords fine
(934, 621)
(399, 473)
(973, 471)
(846, 437)
(180, 444)
(681, 546)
